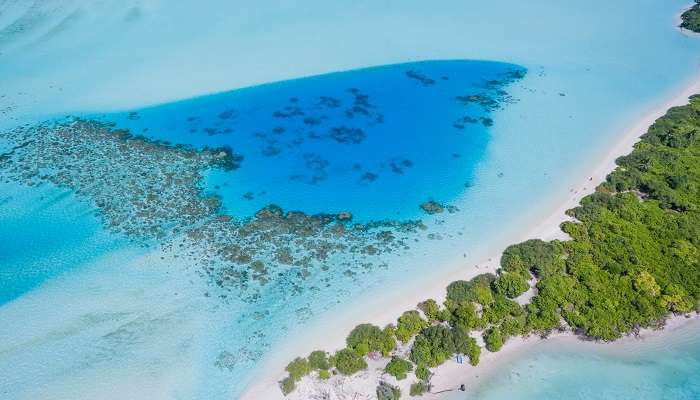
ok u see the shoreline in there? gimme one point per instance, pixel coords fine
(329, 333)
(678, 21)
(450, 375)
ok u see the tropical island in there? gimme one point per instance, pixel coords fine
(691, 18)
(185, 216)
(632, 262)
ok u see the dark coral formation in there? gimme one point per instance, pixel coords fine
(241, 253)
(152, 193)
(489, 98)
(316, 167)
(142, 189)
(343, 134)
(399, 165)
(424, 80)
(433, 207)
(308, 120)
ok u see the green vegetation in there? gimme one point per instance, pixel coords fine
(287, 385)
(324, 374)
(466, 345)
(474, 354)
(511, 284)
(633, 259)
(366, 338)
(431, 309)
(419, 388)
(476, 290)
(318, 360)
(409, 324)
(386, 391)
(398, 367)
(691, 18)
(634, 254)
(433, 346)
(493, 339)
(297, 369)
(348, 362)
(422, 373)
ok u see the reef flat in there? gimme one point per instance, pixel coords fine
(152, 193)
(143, 189)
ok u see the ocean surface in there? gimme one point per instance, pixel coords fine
(467, 109)
(657, 368)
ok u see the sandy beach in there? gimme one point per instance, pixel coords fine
(88, 315)
(330, 332)
(450, 375)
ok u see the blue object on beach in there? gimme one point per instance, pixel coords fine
(459, 358)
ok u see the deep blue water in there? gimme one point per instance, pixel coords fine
(376, 142)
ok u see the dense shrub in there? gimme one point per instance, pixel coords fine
(324, 374)
(398, 368)
(422, 373)
(431, 309)
(464, 315)
(511, 284)
(433, 346)
(539, 257)
(386, 391)
(287, 385)
(500, 309)
(514, 326)
(348, 362)
(419, 388)
(493, 339)
(318, 360)
(466, 345)
(298, 368)
(409, 324)
(478, 290)
(474, 354)
(367, 337)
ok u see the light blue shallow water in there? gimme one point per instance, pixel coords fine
(103, 318)
(666, 368)
(45, 233)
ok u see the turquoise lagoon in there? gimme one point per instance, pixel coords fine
(666, 367)
(91, 315)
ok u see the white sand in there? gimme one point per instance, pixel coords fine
(450, 375)
(329, 334)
